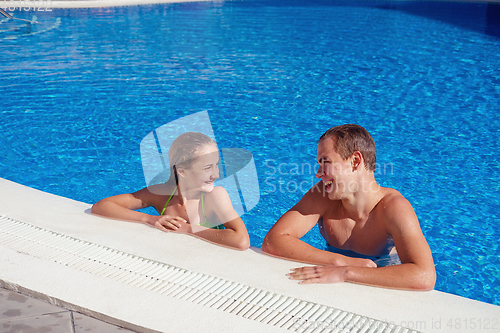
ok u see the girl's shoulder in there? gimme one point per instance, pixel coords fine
(217, 194)
(161, 189)
(156, 195)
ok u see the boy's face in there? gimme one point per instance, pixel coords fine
(333, 170)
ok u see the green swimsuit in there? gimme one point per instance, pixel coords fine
(205, 222)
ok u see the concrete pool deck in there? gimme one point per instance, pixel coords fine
(22, 314)
(145, 280)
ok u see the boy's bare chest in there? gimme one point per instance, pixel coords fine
(366, 237)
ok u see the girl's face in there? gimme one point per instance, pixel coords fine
(204, 171)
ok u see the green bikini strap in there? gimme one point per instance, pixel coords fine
(166, 204)
(205, 220)
(203, 207)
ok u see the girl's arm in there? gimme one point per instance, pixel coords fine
(123, 206)
(235, 234)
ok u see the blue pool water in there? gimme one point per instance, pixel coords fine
(423, 77)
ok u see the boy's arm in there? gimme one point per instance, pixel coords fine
(283, 240)
(416, 271)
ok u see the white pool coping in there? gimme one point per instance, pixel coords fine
(143, 310)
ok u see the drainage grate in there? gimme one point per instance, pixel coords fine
(228, 296)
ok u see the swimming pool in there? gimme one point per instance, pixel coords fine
(422, 77)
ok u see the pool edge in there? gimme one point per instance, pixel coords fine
(251, 267)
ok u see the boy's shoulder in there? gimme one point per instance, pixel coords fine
(394, 208)
(392, 198)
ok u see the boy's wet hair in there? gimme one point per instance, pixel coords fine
(350, 138)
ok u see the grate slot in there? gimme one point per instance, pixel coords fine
(154, 272)
(194, 283)
(228, 296)
(259, 306)
(379, 328)
(171, 273)
(281, 314)
(196, 291)
(367, 327)
(356, 321)
(152, 267)
(121, 259)
(303, 319)
(166, 287)
(232, 294)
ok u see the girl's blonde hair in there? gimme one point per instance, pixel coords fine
(185, 149)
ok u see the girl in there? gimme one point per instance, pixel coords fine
(188, 202)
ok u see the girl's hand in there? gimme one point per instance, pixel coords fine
(172, 223)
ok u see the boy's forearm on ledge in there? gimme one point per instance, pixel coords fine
(289, 247)
(404, 276)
